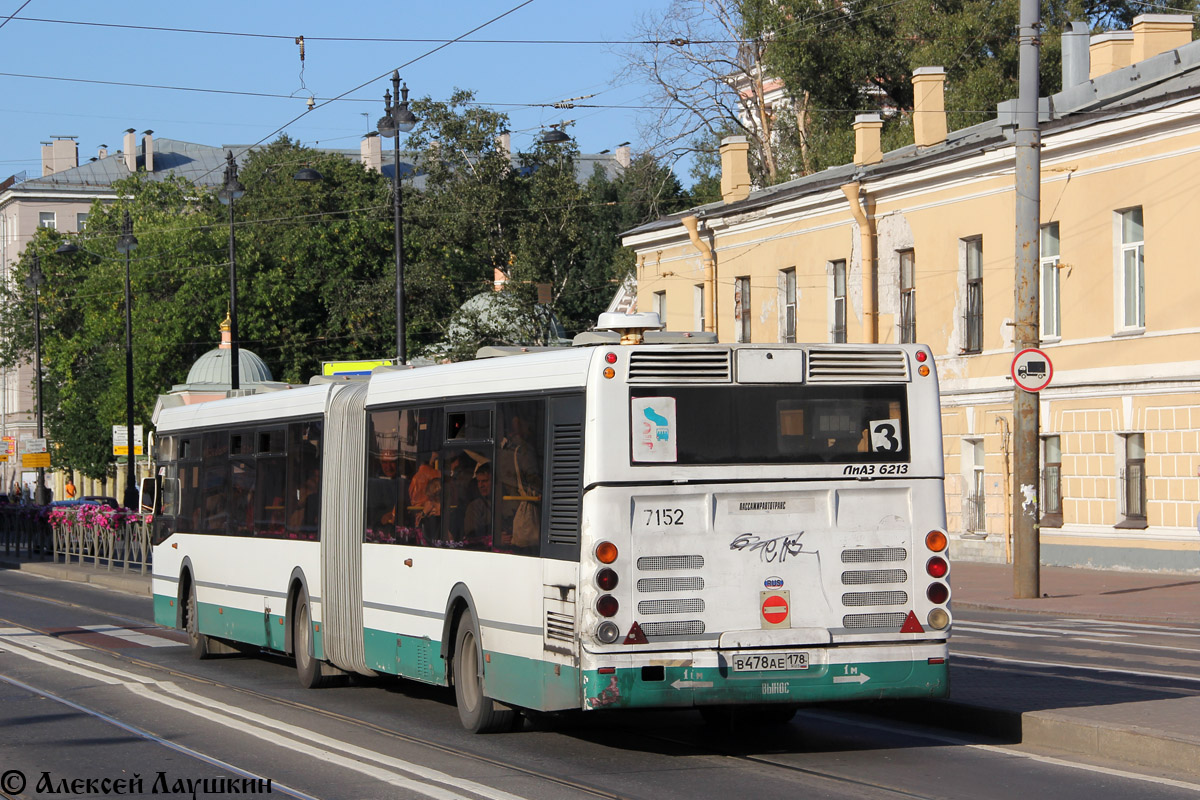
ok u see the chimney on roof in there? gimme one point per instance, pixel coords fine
(102, 152)
(867, 147)
(59, 154)
(148, 150)
(624, 155)
(504, 144)
(1158, 33)
(929, 107)
(370, 152)
(130, 150)
(1076, 60)
(735, 169)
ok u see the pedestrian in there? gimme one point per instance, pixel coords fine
(69, 488)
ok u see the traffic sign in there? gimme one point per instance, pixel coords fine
(1032, 370)
(120, 440)
(774, 609)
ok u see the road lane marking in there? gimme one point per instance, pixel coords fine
(137, 637)
(307, 742)
(1024, 662)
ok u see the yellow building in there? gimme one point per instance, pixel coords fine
(918, 245)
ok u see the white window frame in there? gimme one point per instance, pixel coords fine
(660, 306)
(741, 308)
(837, 293)
(787, 304)
(907, 317)
(1130, 272)
(47, 219)
(698, 307)
(81, 218)
(1049, 289)
(972, 259)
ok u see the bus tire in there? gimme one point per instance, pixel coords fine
(198, 643)
(478, 712)
(308, 668)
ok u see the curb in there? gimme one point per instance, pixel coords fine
(117, 581)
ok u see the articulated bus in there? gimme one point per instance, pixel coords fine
(670, 522)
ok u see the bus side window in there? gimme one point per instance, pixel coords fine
(304, 480)
(383, 476)
(214, 489)
(420, 499)
(519, 475)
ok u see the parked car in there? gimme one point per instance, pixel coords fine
(96, 499)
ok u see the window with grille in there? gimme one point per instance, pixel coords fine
(908, 296)
(1051, 483)
(974, 308)
(1134, 479)
(788, 288)
(741, 308)
(838, 334)
(1133, 269)
(1050, 317)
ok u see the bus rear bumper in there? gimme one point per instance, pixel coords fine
(711, 677)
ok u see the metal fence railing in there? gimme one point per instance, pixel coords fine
(84, 534)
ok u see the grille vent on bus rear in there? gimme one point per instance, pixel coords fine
(679, 366)
(691, 627)
(891, 620)
(690, 584)
(566, 483)
(670, 562)
(874, 598)
(851, 364)
(870, 554)
(560, 626)
(687, 605)
(862, 577)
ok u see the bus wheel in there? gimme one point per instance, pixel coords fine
(479, 714)
(308, 669)
(198, 643)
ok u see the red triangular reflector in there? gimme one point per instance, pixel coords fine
(635, 635)
(911, 625)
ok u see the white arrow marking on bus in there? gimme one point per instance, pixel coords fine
(692, 685)
(859, 678)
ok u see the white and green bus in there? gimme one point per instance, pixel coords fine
(666, 523)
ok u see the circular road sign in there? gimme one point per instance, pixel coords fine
(775, 609)
(1032, 370)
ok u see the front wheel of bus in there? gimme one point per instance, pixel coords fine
(198, 643)
(308, 668)
(479, 714)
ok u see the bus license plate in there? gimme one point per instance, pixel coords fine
(766, 662)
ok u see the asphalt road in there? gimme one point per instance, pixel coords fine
(91, 690)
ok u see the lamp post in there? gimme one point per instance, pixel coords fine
(34, 281)
(126, 242)
(227, 194)
(397, 118)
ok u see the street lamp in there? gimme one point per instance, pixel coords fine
(34, 280)
(126, 242)
(397, 118)
(227, 194)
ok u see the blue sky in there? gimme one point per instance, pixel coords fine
(35, 109)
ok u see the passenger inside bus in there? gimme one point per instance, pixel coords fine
(477, 525)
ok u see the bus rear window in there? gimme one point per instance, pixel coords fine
(768, 424)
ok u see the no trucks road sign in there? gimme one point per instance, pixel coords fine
(1032, 370)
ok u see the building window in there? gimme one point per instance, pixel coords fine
(46, 219)
(787, 320)
(974, 506)
(81, 221)
(741, 308)
(908, 296)
(698, 306)
(1051, 315)
(1134, 480)
(974, 309)
(1133, 269)
(1051, 483)
(838, 334)
(660, 307)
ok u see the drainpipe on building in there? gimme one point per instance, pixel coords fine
(866, 229)
(710, 272)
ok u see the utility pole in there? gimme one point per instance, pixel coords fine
(1028, 185)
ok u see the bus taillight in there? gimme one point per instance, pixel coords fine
(607, 632)
(938, 593)
(606, 579)
(938, 619)
(606, 552)
(935, 541)
(607, 605)
(937, 567)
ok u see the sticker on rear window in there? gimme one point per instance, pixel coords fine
(654, 429)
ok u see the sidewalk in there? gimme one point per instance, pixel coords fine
(1149, 728)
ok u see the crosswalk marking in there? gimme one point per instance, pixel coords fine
(135, 636)
(113, 637)
(38, 641)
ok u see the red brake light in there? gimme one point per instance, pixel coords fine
(937, 567)
(607, 605)
(921, 356)
(938, 593)
(606, 579)
(610, 358)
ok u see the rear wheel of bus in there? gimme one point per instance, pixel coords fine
(478, 712)
(308, 668)
(198, 643)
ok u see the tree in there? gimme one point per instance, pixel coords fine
(703, 60)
